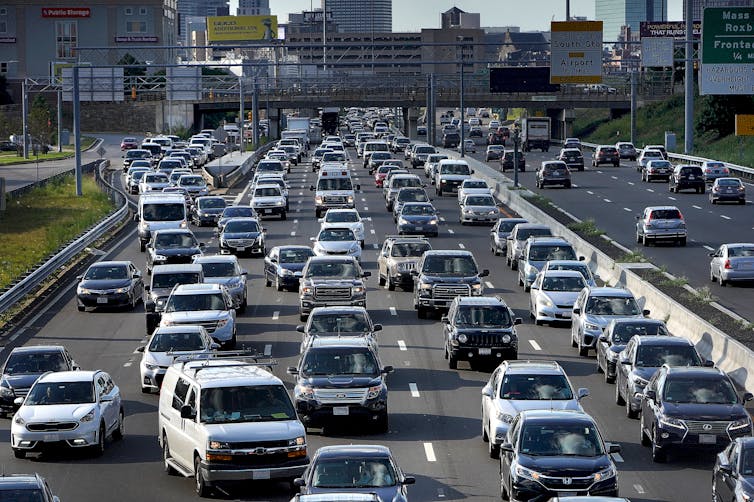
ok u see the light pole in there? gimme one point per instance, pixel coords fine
(240, 114)
(463, 111)
(24, 116)
(516, 141)
(60, 119)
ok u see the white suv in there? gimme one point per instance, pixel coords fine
(227, 420)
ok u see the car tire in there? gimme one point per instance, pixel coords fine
(19, 453)
(493, 450)
(712, 200)
(599, 367)
(382, 425)
(267, 282)
(682, 241)
(99, 449)
(278, 284)
(120, 431)
(142, 246)
(616, 164)
(381, 281)
(618, 398)
(390, 285)
(583, 351)
(711, 275)
(574, 343)
(630, 413)
(244, 304)
(643, 438)
(302, 317)
(452, 362)
(145, 390)
(568, 185)
(644, 241)
(638, 238)
(80, 308)
(202, 487)
(283, 216)
(723, 282)
(658, 455)
(421, 312)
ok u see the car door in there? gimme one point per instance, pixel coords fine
(650, 407)
(136, 280)
(577, 317)
(602, 347)
(181, 445)
(507, 457)
(621, 369)
(113, 392)
(191, 432)
(270, 265)
(105, 405)
(382, 260)
(717, 259)
(488, 403)
(726, 483)
(534, 292)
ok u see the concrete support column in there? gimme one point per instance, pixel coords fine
(274, 127)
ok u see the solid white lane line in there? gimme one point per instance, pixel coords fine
(460, 245)
(616, 457)
(696, 207)
(414, 390)
(442, 218)
(295, 222)
(723, 216)
(366, 208)
(639, 488)
(393, 311)
(429, 451)
(671, 198)
(402, 345)
(489, 285)
(628, 209)
(276, 315)
(363, 199)
(268, 349)
(293, 234)
(450, 231)
(535, 345)
(607, 200)
(301, 193)
(708, 248)
(614, 177)
(631, 183)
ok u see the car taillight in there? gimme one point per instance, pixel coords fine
(707, 170)
(725, 170)
(727, 264)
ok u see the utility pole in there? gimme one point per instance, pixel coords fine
(60, 120)
(255, 113)
(77, 128)
(634, 83)
(463, 110)
(568, 10)
(240, 113)
(688, 81)
(324, 35)
(25, 118)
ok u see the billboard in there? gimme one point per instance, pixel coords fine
(576, 52)
(241, 28)
(95, 84)
(674, 29)
(521, 79)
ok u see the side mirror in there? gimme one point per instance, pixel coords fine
(311, 188)
(748, 397)
(292, 370)
(517, 321)
(484, 273)
(650, 394)
(140, 348)
(638, 217)
(321, 220)
(388, 369)
(79, 277)
(214, 346)
(726, 469)
(415, 273)
(106, 398)
(645, 312)
(408, 480)
(582, 258)
(708, 364)
(300, 328)
(603, 338)
(244, 272)
(507, 447)
(299, 482)
(377, 327)
(582, 393)
(264, 230)
(444, 319)
(187, 412)
(366, 274)
(577, 310)
(613, 448)
(487, 391)
(713, 255)
(202, 245)
(18, 401)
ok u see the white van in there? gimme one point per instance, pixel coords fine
(334, 189)
(225, 417)
(158, 211)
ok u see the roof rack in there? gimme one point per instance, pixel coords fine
(236, 358)
(409, 237)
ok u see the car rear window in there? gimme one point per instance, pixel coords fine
(666, 214)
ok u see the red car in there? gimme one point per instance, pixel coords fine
(380, 175)
(128, 144)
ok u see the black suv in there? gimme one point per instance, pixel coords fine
(172, 246)
(506, 160)
(341, 378)
(686, 177)
(556, 453)
(479, 329)
(691, 408)
(572, 157)
(25, 487)
(451, 140)
(733, 474)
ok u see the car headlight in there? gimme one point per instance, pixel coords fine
(358, 289)
(279, 203)
(672, 422)
(318, 199)
(504, 417)
(285, 272)
(307, 290)
(355, 248)
(477, 289)
(425, 286)
(462, 338)
(217, 445)
(160, 302)
(506, 338)
(492, 212)
(222, 322)
(18, 420)
(84, 291)
(159, 257)
(122, 290)
(6, 392)
(402, 221)
(523, 472)
(639, 380)
(605, 474)
(592, 327)
(374, 392)
(544, 300)
(88, 417)
(298, 441)
(739, 424)
(304, 391)
(151, 365)
(433, 221)
(741, 494)
(350, 199)
(467, 211)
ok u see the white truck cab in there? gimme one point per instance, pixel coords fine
(160, 211)
(334, 189)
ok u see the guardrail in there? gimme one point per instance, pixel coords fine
(31, 281)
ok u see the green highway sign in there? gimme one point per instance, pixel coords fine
(727, 59)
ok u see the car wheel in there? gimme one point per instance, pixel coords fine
(278, 284)
(644, 241)
(134, 302)
(99, 449)
(599, 366)
(723, 282)
(421, 312)
(283, 216)
(618, 398)
(142, 246)
(202, 487)
(713, 200)
(145, 390)
(493, 450)
(121, 430)
(682, 241)
(381, 281)
(452, 362)
(382, 425)
(583, 351)
(574, 344)
(658, 455)
(631, 413)
(19, 453)
(244, 304)
(638, 238)
(80, 308)
(711, 275)
(302, 317)
(643, 438)
(520, 280)
(267, 281)
(390, 284)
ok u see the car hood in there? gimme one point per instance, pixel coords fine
(562, 297)
(418, 218)
(356, 227)
(476, 191)
(482, 209)
(694, 411)
(747, 484)
(220, 280)
(337, 283)
(572, 467)
(105, 283)
(335, 246)
(267, 200)
(450, 279)
(256, 431)
(55, 412)
(23, 381)
(156, 293)
(455, 177)
(604, 320)
(211, 210)
(340, 381)
(329, 193)
(194, 315)
(485, 331)
(386, 493)
(240, 235)
(645, 372)
(294, 267)
(178, 251)
(164, 360)
(515, 406)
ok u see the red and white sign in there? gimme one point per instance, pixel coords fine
(66, 12)
(137, 38)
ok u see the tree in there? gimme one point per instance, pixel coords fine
(717, 116)
(39, 121)
(132, 66)
(9, 124)
(5, 98)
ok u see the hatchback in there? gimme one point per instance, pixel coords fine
(728, 189)
(553, 173)
(732, 262)
(687, 177)
(606, 154)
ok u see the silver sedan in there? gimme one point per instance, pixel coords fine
(553, 294)
(732, 262)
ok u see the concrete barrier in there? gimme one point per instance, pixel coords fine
(225, 171)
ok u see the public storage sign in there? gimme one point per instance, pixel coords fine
(727, 51)
(66, 12)
(576, 52)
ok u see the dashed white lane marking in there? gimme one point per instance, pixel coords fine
(489, 285)
(616, 457)
(590, 192)
(708, 248)
(376, 246)
(429, 451)
(631, 183)
(614, 177)
(402, 345)
(639, 489)
(607, 200)
(126, 365)
(301, 193)
(440, 493)
(671, 198)
(600, 172)
(442, 218)
(414, 390)
(293, 234)
(696, 207)
(393, 311)
(275, 315)
(371, 231)
(460, 245)
(628, 209)
(268, 349)
(650, 190)
(535, 345)
(366, 208)
(451, 231)
(723, 216)
(363, 199)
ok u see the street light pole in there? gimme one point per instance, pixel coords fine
(463, 110)
(60, 120)
(240, 114)
(688, 81)
(24, 117)
(516, 141)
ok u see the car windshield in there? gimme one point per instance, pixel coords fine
(21, 363)
(562, 284)
(546, 253)
(384, 169)
(336, 234)
(212, 203)
(339, 361)
(22, 495)
(295, 255)
(405, 182)
(418, 210)
(665, 214)
(462, 169)
(612, 305)
(219, 269)
(449, 265)
(174, 241)
(168, 280)
(625, 331)
(241, 226)
(341, 217)
(339, 323)
(156, 178)
(412, 196)
(409, 249)
(237, 212)
(577, 266)
(106, 272)
(164, 342)
(535, 387)
(170, 164)
(479, 200)
(191, 303)
(325, 184)
(654, 356)
(267, 192)
(729, 182)
(192, 181)
(379, 156)
(700, 391)
(653, 153)
(334, 157)
(505, 227)
(740, 251)
(340, 270)
(425, 149)
(257, 403)
(353, 472)
(138, 175)
(475, 184)
(660, 163)
(580, 440)
(48, 393)
(482, 317)
(525, 233)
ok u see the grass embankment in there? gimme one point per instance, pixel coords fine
(7, 158)
(39, 222)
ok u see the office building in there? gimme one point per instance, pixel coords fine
(615, 14)
(698, 5)
(188, 9)
(361, 16)
(457, 18)
(253, 8)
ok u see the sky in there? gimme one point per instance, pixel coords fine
(412, 15)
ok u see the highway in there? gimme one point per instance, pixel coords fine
(435, 428)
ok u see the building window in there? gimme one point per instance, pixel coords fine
(129, 11)
(3, 11)
(3, 27)
(3, 68)
(136, 26)
(66, 39)
(142, 11)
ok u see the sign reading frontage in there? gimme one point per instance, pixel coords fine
(576, 52)
(241, 28)
(727, 51)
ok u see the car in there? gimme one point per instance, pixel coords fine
(408, 194)
(600, 89)
(397, 258)
(337, 240)
(691, 409)
(130, 173)
(476, 186)
(494, 124)
(208, 305)
(687, 177)
(594, 308)
(109, 284)
(553, 172)
(500, 232)
(494, 152)
(268, 200)
(660, 148)
(733, 473)
(580, 266)
(479, 329)
(344, 218)
(317, 157)
(234, 212)
(283, 266)
(515, 386)
(450, 174)
(137, 154)
(399, 144)
(646, 155)
(606, 154)
(418, 218)
(381, 173)
(506, 161)
(421, 130)
(207, 210)
(376, 159)
(341, 379)
(572, 157)
(328, 281)
(516, 240)
(478, 208)
(639, 361)
(552, 295)
(451, 139)
(658, 223)
(164, 279)
(24, 366)
(431, 164)
(172, 246)
(87, 402)
(165, 344)
(626, 150)
(548, 453)
(728, 189)
(468, 145)
(713, 169)
(195, 184)
(443, 274)
(616, 336)
(337, 322)
(243, 235)
(226, 270)
(732, 262)
(153, 181)
(23, 487)
(656, 169)
(536, 252)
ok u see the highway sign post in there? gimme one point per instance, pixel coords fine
(727, 51)
(576, 52)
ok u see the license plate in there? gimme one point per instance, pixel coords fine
(240, 249)
(692, 177)
(419, 228)
(263, 474)
(268, 211)
(567, 494)
(102, 299)
(49, 438)
(485, 352)
(340, 411)
(707, 439)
